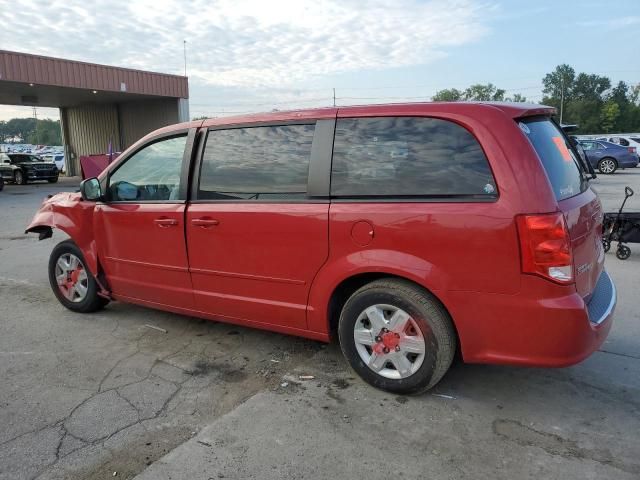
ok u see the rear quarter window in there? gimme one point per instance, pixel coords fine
(556, 155)
(408, 157)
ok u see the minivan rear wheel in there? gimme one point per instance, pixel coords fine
(397, 336)
(607, 166)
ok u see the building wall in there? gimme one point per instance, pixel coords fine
(141, 117)
(88, 129)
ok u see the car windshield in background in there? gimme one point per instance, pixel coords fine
(26, 158)
(635, 139)
(557, 158)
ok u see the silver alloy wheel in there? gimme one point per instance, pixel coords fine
(71, 277)
(607, 166)
(389, 341)
(18, 178)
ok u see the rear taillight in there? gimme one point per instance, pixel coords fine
(632, 149)
(545, 246)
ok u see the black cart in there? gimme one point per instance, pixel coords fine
(622, 228)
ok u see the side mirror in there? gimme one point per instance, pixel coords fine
(90, 189)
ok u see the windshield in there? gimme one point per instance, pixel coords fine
(562, 167)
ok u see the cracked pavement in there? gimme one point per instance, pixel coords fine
(83, 396)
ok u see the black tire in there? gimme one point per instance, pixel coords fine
(604, 165)
(1, 183)
(19, 178)
(428, 314)
(606, 245)
(92, 301)
(52, 180)
(623, 252)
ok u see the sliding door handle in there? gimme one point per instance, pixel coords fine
(204, 222)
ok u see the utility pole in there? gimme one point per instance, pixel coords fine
(561, 98)
(35, 124)
(184, 48)
(334, 97)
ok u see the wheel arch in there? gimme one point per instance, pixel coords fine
(68, 213)
(331, 290)
(351, 284)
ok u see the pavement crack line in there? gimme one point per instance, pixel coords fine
(626, 355)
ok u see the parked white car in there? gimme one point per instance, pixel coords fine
(58, 159)
(631, 140)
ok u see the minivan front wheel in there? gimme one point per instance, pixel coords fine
(72, 283)
(397, 336)
(607, 166)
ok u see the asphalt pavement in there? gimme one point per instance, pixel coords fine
(90, 396)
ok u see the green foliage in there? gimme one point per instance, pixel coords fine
(608, 116)
(448, 95)
(477, 92)
(30, 130)
(591, 102)
(517, 97)
(484, 93)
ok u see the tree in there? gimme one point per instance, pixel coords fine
(608, 116)
(517, 97)
(30, 130)
(559, 83)
(448, 95)
(484, 93)
(589, 87)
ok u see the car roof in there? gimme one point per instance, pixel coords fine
(512, 109)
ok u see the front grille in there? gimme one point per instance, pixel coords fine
(602, 300)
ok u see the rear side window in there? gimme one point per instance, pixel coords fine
(408, 157)
(256, 163)
(556, 155)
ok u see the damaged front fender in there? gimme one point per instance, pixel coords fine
(74, 216)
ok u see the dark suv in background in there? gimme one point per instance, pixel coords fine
(21, 168)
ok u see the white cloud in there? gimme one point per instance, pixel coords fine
(244, 43)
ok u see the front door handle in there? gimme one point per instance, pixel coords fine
(165, 222)
(204, 222)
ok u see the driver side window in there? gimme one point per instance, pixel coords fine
(151, 174)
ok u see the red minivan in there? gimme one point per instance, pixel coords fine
(411, 231)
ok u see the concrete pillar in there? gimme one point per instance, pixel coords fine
(183, 110)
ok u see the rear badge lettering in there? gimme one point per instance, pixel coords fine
(585, 267)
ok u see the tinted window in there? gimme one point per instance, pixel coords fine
(588, 145)
(256, 163)
(635, 139)
(150, 174)
(556, 155)
(407, 156)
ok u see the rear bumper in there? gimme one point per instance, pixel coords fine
(534, 329)
(629, 162)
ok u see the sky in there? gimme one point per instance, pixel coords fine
(252, 55)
